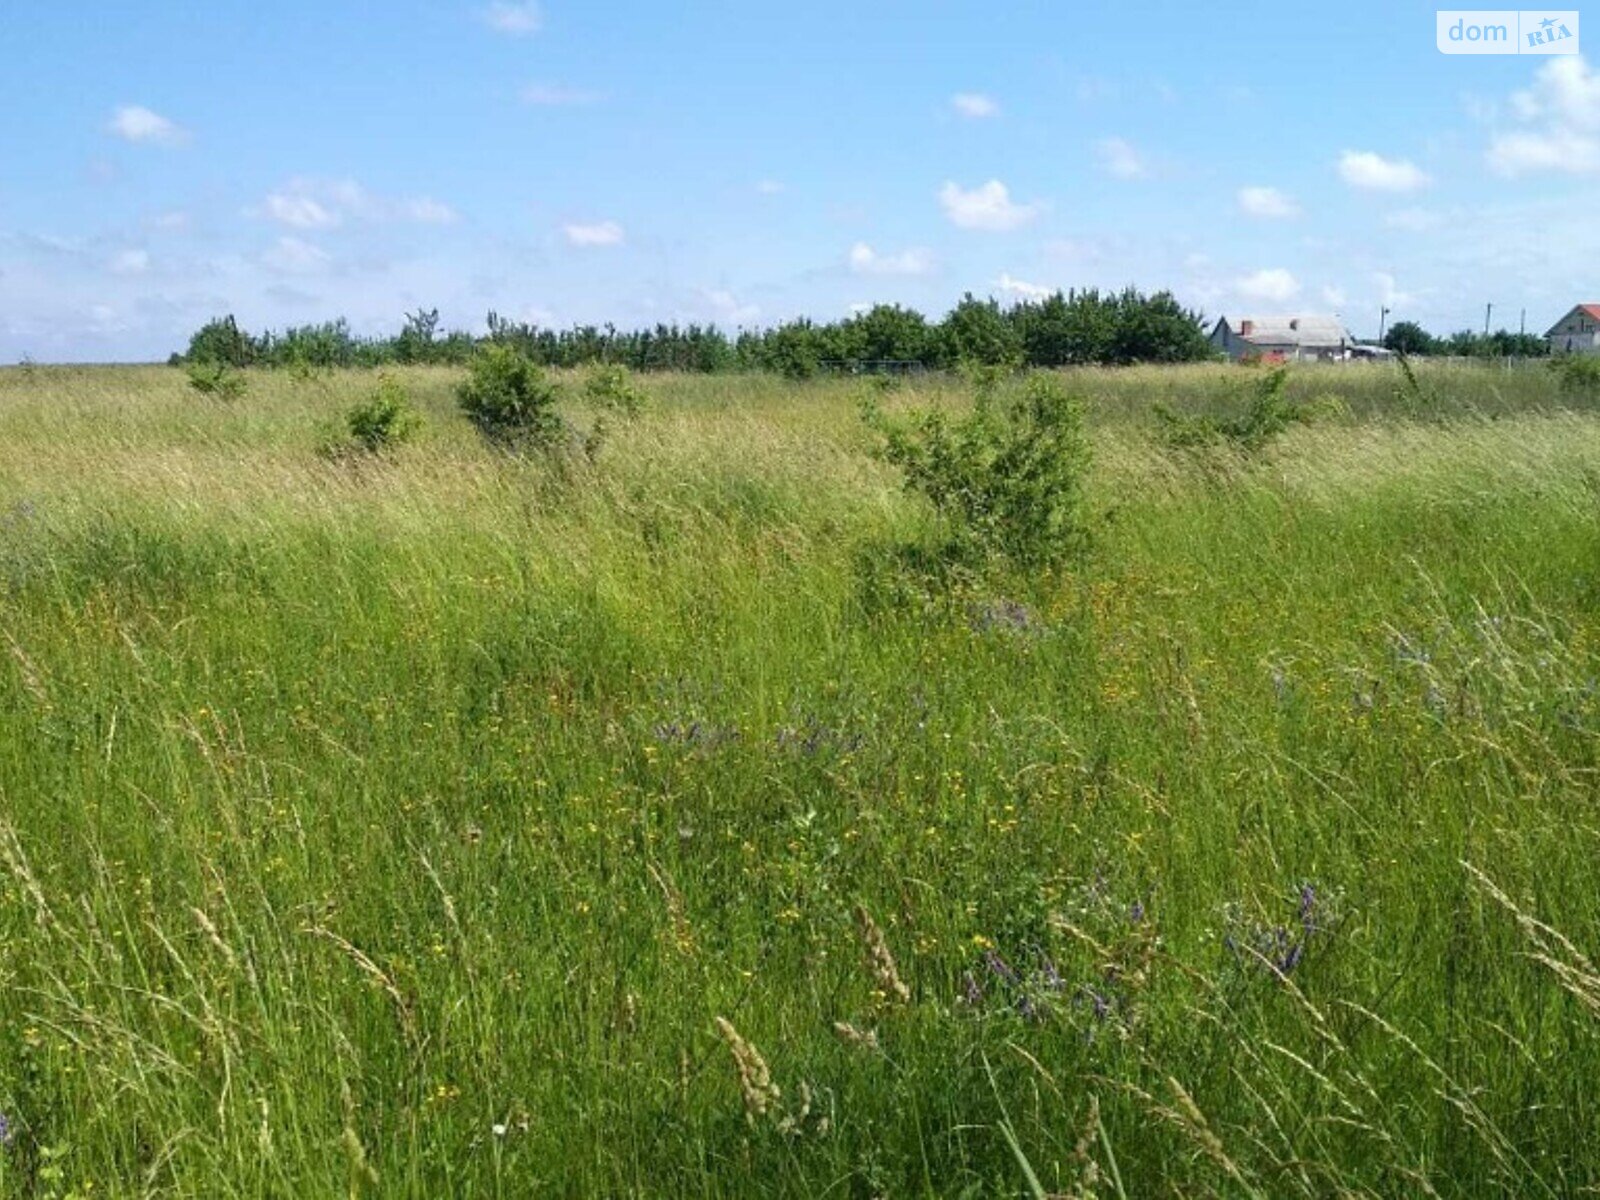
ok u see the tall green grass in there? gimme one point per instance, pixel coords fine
(406, 827)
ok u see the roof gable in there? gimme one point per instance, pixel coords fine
(1592, 311)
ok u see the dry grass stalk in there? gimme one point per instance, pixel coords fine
(1553, 950)
(682, 933)
(374, 972)
(17, 862)
(879, 958)
(850, 1035)
(760, 1093)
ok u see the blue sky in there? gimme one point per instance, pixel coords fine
(745, 163)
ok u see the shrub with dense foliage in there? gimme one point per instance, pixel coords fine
(1579, 374)
(611, 388)
(385, 419)
(1006, 478)
(510, 399)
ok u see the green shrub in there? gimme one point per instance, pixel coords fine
(611, 388)
(510, 400)
(1006, 479)
(1579, 374)
(385, 419)
(1267, 415)
(216, 379)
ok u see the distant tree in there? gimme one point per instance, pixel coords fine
(887, 331)
(1518, 345)
(1156, 329)
(1463, 343)
(977, 332)
(794, 350)
(1407, 337)
(415, 343)
(221, 342)
(1060, 331)
(327, 345)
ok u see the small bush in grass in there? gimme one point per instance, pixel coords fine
(510, 400)
(216, 379)
(611, 388)
(385, 419)
(1005, 479)
(1579, 374)
(1268, 414)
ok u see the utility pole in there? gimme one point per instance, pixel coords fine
(1487, 309)
(1383, 316)
(1522, 327)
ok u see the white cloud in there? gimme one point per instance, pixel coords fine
(975, 105)
(864, 260)
(304, 203)
(598, 233)
(129, 262)
(1333, 297)
(1389, 294)
(1270, 283)
(554, 95)
(518, 20)
(1021, 288)
(298, 212)
(726, 309)
(1412, 220)
(425, 210)
(769, 187)
(1079, 251)
(988, 206)
(1266, 202)
(295, 257)
(1556, 150)
(1120, 160)
(1561, 118)
(1094, 88)
(1365, 169)
(135, 123)
(171, 221)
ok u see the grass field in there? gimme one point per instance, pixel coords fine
(452, 826)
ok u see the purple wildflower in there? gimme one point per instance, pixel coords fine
(1099, 1003)
(1308, 902)
(999, 967)
(1052, 977)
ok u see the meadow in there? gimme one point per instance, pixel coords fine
(447, 824)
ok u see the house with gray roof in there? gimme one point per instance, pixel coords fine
(1285, 339)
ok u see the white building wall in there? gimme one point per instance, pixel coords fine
(1577, 334)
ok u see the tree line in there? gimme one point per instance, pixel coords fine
(1063, 329)
(1407, 337)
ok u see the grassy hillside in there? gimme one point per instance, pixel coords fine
(406, 827)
